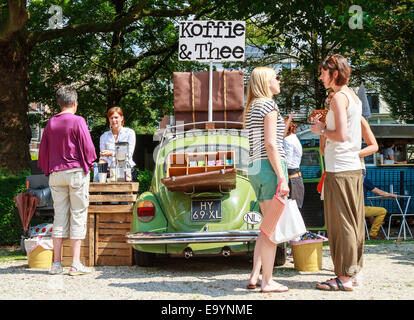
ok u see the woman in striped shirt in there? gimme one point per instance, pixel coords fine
(267, 164)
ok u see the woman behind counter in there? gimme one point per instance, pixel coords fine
(117, 133)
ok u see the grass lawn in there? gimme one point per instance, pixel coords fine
(11, 254)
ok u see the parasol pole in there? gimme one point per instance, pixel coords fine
(210, 93)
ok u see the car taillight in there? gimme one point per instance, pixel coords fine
(146, 211)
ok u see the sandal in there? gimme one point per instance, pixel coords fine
(280, 288)
(252, 286)
(78, 269)
(331, 287)
(56, 268)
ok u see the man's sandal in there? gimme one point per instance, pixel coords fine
(326, 286)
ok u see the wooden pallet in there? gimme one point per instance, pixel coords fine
(112, 205)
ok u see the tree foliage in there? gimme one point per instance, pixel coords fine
(123, 52)
(118, 52)
(304, 33)
(391, 59)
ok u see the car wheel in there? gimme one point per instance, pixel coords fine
(281, 254)
(144, 259)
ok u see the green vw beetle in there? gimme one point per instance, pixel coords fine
(200, 201)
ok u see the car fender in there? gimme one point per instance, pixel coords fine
(158, 224)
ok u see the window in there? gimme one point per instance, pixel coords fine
(373, 100)
(35, 132)
(410, 153)
(35, 110)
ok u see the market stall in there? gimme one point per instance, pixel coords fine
(396, 175)
(109, 218)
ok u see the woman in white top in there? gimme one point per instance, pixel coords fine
(118, 133)
(343, 186)
(293, 149)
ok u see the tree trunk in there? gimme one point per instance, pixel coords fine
(15, 133)
(320, 91)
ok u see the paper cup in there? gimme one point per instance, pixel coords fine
(102, 177)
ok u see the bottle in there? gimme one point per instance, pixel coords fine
(120, 175)
(95, 173)
(113, 169)
(128, 171)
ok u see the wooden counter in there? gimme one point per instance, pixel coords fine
(396, 165)
(109, 218)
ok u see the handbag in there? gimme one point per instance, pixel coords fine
(290, 224)
(270, 220)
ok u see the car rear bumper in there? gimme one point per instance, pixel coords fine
(195, 237)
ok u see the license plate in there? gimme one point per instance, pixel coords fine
(205, 210)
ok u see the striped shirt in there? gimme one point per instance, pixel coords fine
(259, 108)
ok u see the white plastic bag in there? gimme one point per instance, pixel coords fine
(290, 225)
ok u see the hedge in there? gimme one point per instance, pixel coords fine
(10, 224)
(11, 228)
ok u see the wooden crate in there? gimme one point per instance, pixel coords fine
(87, 254)
(179, 164)
(112, 204)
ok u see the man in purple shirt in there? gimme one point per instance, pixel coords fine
(66, 154)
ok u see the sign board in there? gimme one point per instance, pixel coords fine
(211, 41)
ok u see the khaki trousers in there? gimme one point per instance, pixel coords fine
(344, 217)
(70, 193)
(379, 213)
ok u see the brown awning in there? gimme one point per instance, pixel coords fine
(393, 130)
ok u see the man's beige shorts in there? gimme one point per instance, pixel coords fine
(70, 193)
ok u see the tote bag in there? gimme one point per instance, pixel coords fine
(271, 219)
(290, 224)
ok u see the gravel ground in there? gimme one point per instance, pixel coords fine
(388, 274)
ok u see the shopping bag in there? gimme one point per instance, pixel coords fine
(290, 225)
(320, 186)
(272, 217)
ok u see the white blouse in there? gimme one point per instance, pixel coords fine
(293, 149)
(107, 142)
